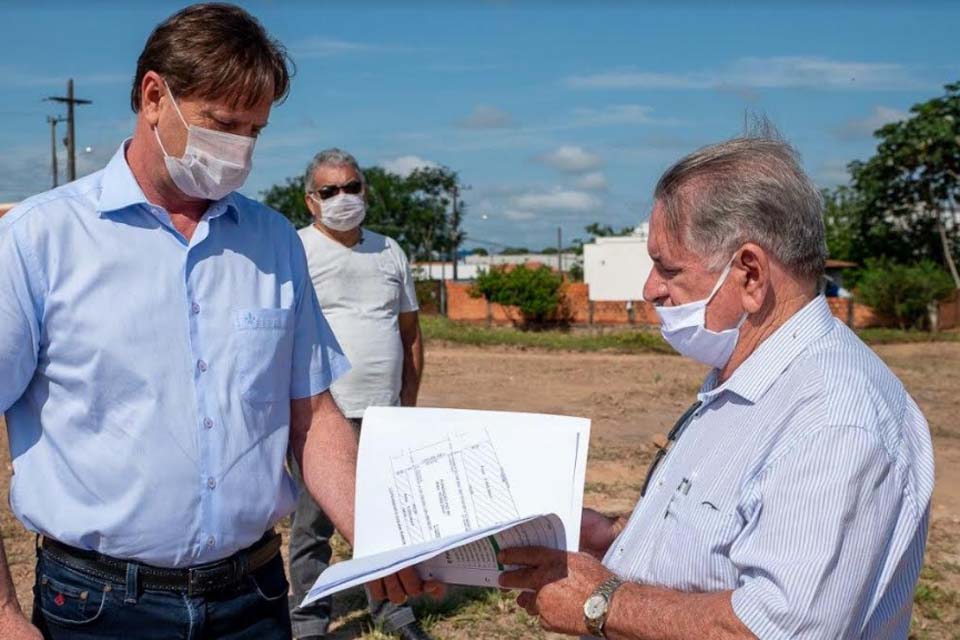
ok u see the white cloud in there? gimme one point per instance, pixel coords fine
(571, 159)
(518, 215)
(774, 73)
(864, 127)
(10, 76)
(832, 173)
(486, 116)
(595, 181)
(319, 47)
(615, 114)
(403, 166)
(562, 200)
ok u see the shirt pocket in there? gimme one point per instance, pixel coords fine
(694, 554)
(263, 344)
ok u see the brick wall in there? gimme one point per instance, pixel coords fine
(949, 317)
(461, 307)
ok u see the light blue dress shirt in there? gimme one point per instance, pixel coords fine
(147, 378)
(802, 484)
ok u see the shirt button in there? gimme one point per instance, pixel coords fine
(211, 541)
(208, 423)
(211, 482)
(201, 365)
(195, 308)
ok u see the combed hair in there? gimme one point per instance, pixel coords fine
(747, 189)
(333, 157)
(216, 51)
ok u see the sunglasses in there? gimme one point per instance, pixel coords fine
(327, 191)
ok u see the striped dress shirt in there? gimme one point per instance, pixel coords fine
(802, 484)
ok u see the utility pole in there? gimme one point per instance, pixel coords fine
(560, 251)
(453, 246)
(70, 101)
(53, 147)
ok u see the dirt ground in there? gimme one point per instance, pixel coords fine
(630, 398)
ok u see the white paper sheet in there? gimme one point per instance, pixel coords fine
(443, 489)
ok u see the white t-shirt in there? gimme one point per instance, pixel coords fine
(362, 289)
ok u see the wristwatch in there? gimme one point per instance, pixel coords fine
(598, 604)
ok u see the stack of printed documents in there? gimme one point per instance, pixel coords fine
(445, 489)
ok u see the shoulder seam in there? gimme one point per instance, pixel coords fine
(799, 441)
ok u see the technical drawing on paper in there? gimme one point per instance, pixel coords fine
(451, 486)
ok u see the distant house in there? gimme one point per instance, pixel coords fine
(616, 267)
(473, 265)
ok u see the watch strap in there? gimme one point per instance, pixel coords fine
(605, 590)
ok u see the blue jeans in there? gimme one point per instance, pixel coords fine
(71, 605)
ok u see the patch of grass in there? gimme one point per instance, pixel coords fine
(612, 488)
(898, 336)
(624, 340)
(627, 341)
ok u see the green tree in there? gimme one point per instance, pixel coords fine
(536, 292)
(597, 230)
(575, 273)
(842, 211)
(479, 251)
(514, 251)
(287, 198)
(418, 210)
(904, 292)
(910, 187)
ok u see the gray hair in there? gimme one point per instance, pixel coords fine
(333, 157)
(748, 189)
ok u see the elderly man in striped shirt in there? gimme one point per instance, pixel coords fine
(793, 497)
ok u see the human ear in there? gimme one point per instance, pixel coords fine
(753, 264)
(152, 91)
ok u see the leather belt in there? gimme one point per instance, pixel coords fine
(194, 581)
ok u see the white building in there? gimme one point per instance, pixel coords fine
(617, 267)
(444, 270)
(474, 264)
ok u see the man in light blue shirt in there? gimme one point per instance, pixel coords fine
(792, 499)
(162, 349)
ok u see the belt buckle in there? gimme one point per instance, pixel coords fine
(202, 580)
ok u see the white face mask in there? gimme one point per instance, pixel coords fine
(342, 212)
(214, 163)
(684, 328)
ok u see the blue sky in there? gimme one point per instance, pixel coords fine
(555, 114)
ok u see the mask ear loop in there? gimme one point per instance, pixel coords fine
(176, 107)
(722, 278)
(720, 281)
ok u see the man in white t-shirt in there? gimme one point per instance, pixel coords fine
(366, 291)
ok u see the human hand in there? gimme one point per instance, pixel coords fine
(15, 626)
(404, 584)
(597, 532)
(557, 585)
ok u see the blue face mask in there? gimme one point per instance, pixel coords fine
(684, 328)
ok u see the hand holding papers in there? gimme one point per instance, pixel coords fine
(444, 490)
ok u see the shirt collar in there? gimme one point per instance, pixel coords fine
(775, 354)
(119, 190)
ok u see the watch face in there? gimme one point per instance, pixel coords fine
(594, 607)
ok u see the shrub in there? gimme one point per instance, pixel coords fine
(904, 292)
(535, 292)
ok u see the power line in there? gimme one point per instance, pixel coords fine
(70, 101)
